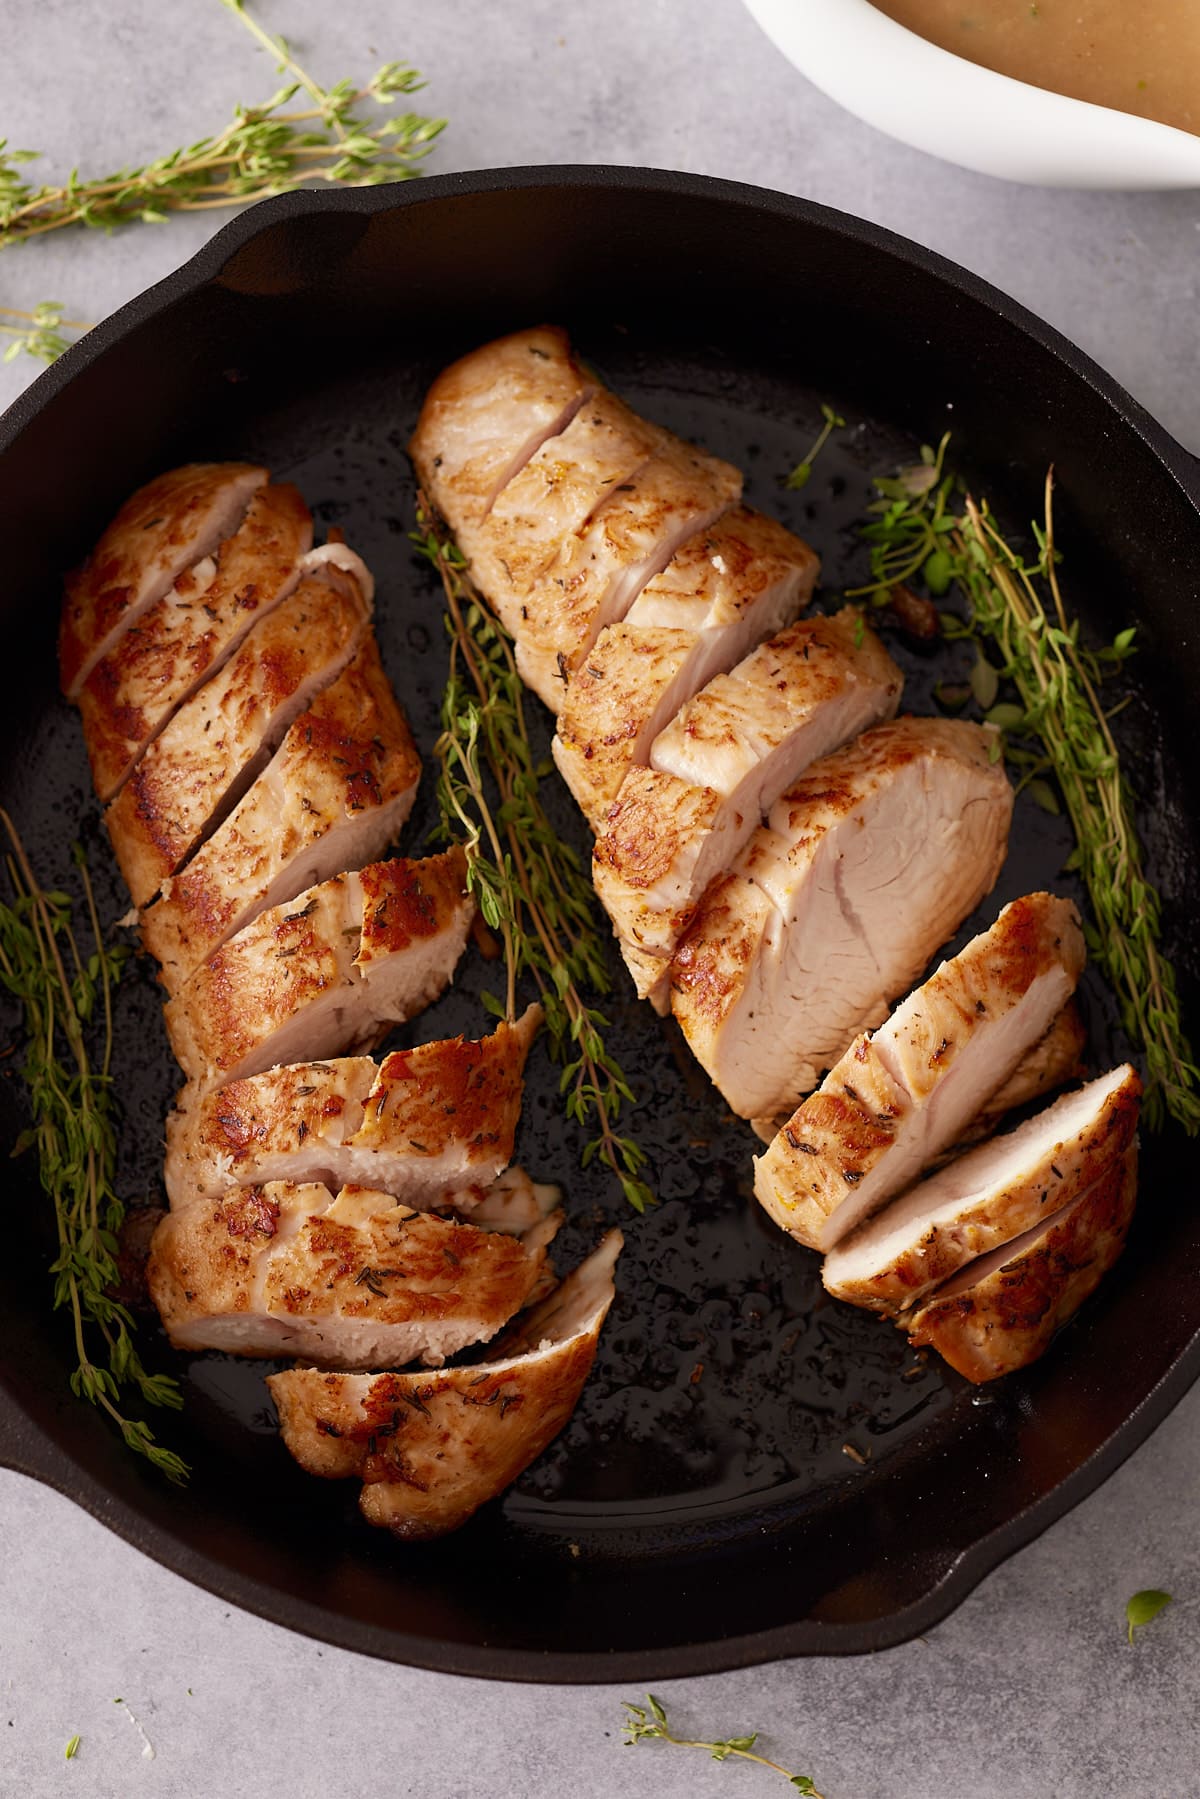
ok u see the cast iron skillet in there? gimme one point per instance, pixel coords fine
(702, 1510)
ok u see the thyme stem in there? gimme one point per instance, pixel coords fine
(646, 1723)
(1061, 728)
(74, 1135)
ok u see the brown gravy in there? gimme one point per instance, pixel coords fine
(1140, 56)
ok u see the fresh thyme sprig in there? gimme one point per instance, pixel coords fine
(61, 994)
(1059, 727)
(266, 149)
(38, 333)
(263, 150)
(529, 884)
(802, 472)
(646, 1723)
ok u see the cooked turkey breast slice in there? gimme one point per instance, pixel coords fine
(431, 1124)
(1001, 1312)
(723, 762)
(209, 754)
(433, 1448)
(543, 508)
(334, 795)
(596, 576)
(488, 413)
(330, 971)
(726, 588)
(179, 642)
(1055, 1060)
(349, 1282)
(870, 862)
(174, 521)
(900, 1096)
(747, 574)
(986, 1198)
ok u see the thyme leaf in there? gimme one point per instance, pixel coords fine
(1144, 1607)
(645, 1723)
(1059, 736)
(61, 994)
(38, 333)
(530, 886)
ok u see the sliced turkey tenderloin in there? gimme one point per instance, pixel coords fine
(900, 1096)
(434, 1124)
(1000, 1313)
(179, 643)
(334, 795)
(330, 971)
(722, 592)
(722, 763)
(349, 1282)
(432, 1448)
(597, 574)
(985, 1198)
(487, 414)
(220, 740)
(875, 858)
(176, 520)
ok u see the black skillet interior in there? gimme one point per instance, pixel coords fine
(754, 1470)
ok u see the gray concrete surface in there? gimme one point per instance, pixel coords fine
(1030, 1689)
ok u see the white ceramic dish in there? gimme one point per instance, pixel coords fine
(954, 109)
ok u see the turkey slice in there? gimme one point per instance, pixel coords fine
(350, 1282)
(900, 1096)
(209, 754)
(334, 795)
(985, 1198)
(434, 1124)
(332, 970)
(180, 642)
(176, 520)
(1001, 1312)
(431, 1448)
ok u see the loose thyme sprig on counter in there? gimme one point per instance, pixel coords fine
(73, 1133)
(264, 150)
(529, 884)
(38, 333)
(648, 1723)
(1061, 728)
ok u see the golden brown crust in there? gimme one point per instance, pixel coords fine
(827, 1148)
(447, 1107)
(990, 1214)
(179, 641)
(348, 759)
(1007, 1319)
(159, 532)
(185, 776)
(329, 1276)
(610, 698)
(310, 955)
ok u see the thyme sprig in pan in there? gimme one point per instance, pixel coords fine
(648, 1723)
(64, 995)
(530, 886)
(1059, 728)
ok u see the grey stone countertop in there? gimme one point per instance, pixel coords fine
(1030, 1688)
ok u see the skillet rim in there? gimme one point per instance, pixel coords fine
(27, 1449)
